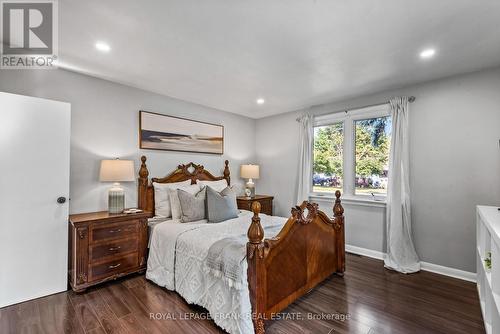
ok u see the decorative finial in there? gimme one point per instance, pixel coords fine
(227, 172)
(255, 232)
(338, 210)
(256, 209)
(143, 172)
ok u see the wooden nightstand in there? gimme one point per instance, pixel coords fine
(104, 246)
(266, 203)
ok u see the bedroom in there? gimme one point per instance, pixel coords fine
(301, 99)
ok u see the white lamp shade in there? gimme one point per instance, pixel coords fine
(249, 171)
(117, 170)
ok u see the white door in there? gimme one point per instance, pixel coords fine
(34, 173)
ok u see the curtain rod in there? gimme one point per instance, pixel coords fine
(411, 99)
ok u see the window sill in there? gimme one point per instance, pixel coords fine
(350, 200)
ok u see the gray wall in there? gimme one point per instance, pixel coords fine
(455, 160)
(105, 122)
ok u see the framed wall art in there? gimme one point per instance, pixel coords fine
(169, 133)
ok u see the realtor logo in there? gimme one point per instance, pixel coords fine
(29, 34)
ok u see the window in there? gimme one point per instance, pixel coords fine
(372, 144)
(351, 152)
(328, 157)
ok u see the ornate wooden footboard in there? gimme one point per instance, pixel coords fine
(306, 251)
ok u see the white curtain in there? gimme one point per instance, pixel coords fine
(305, 157)
(401, 254)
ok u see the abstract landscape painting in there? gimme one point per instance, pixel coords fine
(162, 132)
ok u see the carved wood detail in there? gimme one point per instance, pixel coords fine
(259, 326)
(298, 212)
(143, 184)
(81, 255)
(105, 247)
(82, 278)
(309, 248)
(190, 171)
(82, 233)
(143, 242)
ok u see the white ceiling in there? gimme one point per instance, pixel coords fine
(293, 53)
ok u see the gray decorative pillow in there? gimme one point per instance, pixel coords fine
(221, 206)
(175, 205)
(192, 206)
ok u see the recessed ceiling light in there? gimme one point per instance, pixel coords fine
(260, 101)
(101, 46)
(427, 53)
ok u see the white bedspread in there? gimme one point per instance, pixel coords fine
(176, 262)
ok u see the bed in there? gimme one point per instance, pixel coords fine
(303, 250)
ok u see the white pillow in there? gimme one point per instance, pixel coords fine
(215, 185)
(175, 203)
(238, 189)
(162, 201)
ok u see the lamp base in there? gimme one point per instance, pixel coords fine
(116, 199)
(250, 189)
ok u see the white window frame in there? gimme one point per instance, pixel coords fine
(349, 155)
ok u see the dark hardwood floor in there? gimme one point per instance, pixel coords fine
(373, 299)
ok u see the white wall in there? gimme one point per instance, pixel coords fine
(105, 124)
(455, 160)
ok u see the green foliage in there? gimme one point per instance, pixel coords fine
(487, 261)
(328, 149)
(376, 127)
(372, 148)
(371, 157)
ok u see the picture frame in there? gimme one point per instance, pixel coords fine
(172, 133)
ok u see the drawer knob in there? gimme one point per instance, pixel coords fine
(115, 231)
(112, 249)
(114, 266)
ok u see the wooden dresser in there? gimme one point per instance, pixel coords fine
(266, 203)
(104, 246)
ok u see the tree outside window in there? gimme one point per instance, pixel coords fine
(372, 141)
(368, 153)
(328, 158)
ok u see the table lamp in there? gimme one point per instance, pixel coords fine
(249, 172)
(116, 171)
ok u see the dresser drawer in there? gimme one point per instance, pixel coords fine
(266, 207)
(112, 231)
(245, 205)
(266, 204)
(113, 267)
(113, 248)
(105, 246)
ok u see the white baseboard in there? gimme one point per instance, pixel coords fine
(426, 266)
(447, 271)
(365, 252)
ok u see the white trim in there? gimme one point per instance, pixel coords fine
(347, 118)
(365, 252)
(370, 112)
(380, 110)
(447, 271)
(349, 163)
(329, 119)
(425, 266)
(357, 200)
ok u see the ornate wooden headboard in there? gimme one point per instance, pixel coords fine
(191, 171)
